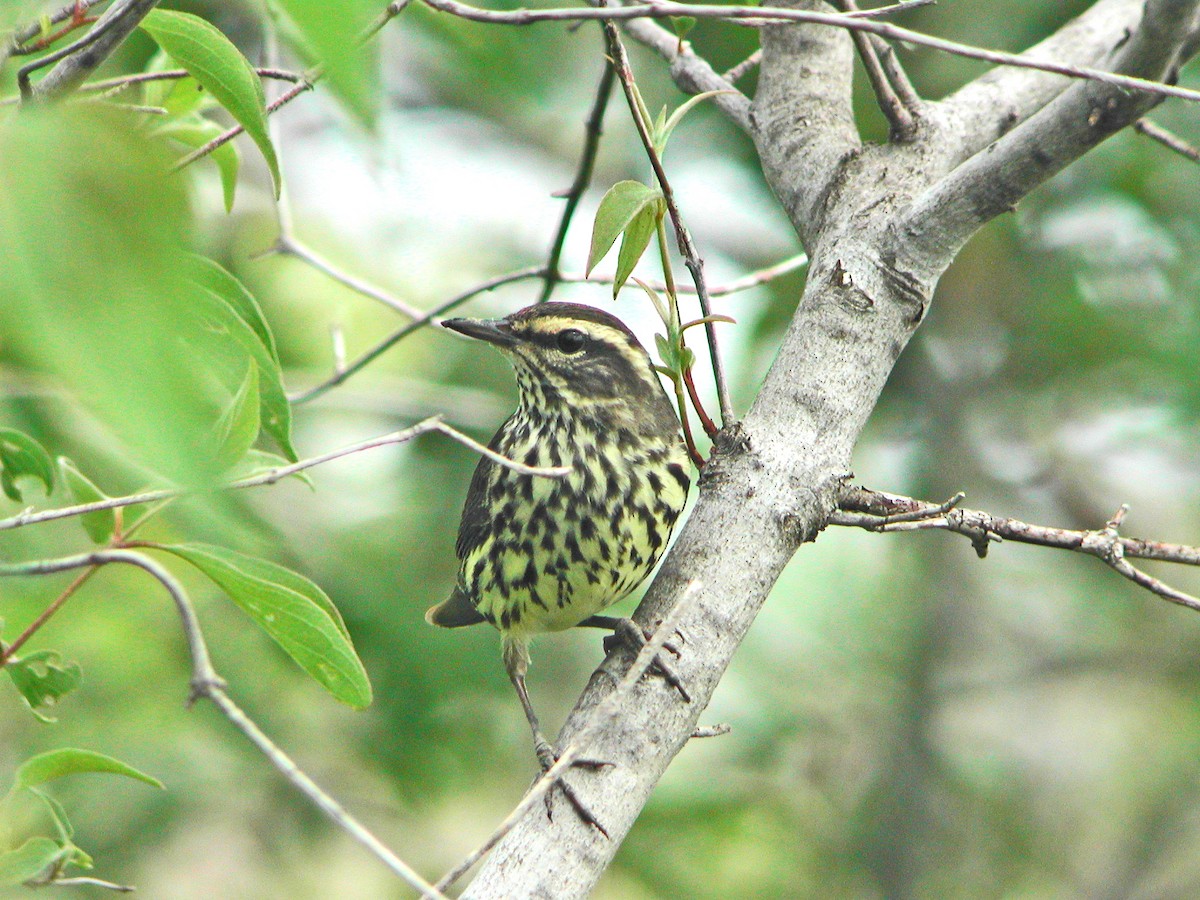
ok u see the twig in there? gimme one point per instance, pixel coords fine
(311, 77)
(739, 71)
(665, 9)
(902, 121)
(687, 246)
(109, 31)
(415, 325)
(305, 84)
(711, 731)
(896, 75)
(1168, 139)
(10, 652)
(608, 709)
(288, 245)
(583, 177)
(434, 423)
(877, 511)
(207, 684)
(750, 280)
(32, 30)
(77, 14)
(333, 810)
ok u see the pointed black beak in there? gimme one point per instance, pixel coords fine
(493, 331)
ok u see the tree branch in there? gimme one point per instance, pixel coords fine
(991, 182)
(78, 60)
(877, 511)
(991, 105)
(803, 115)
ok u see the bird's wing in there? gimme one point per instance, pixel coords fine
(454, 612)
(475, 518)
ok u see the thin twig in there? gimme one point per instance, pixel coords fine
(433, 423)
(604, 713)
(109, 32)
(78, 18)
(896, 75)
(687, 246)
(8, 653)
(288, 245)
(415, 325)
(1168, 139)
(738, 72)
(333, 810)
(877, 511)
(710, 731)
(744, 283)
(207, 684)
(33, 29)
(902, 121)
(665, 9)
(583, 177)
(310, 79)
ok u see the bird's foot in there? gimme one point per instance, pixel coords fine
(547, 757)
(627, 633)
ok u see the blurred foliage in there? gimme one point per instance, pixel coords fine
(908, 720)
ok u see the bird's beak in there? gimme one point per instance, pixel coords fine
(493, 331)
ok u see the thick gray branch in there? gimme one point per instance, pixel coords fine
(993, 180)
(802, 115)
(994, 103)
(116, 24)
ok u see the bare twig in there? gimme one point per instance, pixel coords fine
(601, 716)
(710, 731)
(665, 9)
(400, 334)
(583, 177)
(207, 684)
(434, 423)
(687, 246)
(902, 121)
(739, 71)
(747, 281)
(877, 511)
(310, 78)
(28, 32)
(109, 31)
(288, 245)
(1168, 139)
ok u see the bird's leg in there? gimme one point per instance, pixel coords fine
(626, 631)
(516, 661)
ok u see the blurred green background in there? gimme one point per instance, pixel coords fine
(908, 720)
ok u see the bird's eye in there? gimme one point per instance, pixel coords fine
(571, 340)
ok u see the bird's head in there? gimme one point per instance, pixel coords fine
(567, 353)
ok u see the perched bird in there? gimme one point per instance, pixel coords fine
(544, 554)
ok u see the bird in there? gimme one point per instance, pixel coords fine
(542, 554)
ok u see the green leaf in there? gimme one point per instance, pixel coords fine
(180, 97)
(238, 427)
(667, 352)
(223, 320)
(194, 132)
(70, 761)
(99, 525)
(296, 613)
(42, 680)
(682, 25)
(637, 238)
(217, 279)
(28, 861)
(106, 320)
(21, 455)
(617, 210)
(332, 34)
(663, 134)
(219, 66)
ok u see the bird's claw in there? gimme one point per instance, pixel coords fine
(631, 635)
(547, 757)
